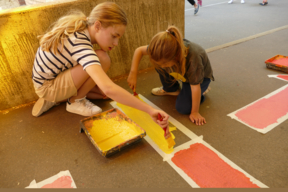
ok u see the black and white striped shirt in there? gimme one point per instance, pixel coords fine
(77, 50)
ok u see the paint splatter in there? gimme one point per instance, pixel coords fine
(61, 182)
(208, 170)
(265, 112)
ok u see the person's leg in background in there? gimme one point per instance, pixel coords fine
(184, 100)
(196, 6)
(265, 2)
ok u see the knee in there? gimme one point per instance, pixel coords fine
(104, 59)
(183, 109)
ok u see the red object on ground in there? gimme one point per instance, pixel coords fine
(265, 111)
(278, 62)
(281, 61)
(208, 170)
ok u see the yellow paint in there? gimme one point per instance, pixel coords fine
(172, 129)
(153, 130)
(111, 132)
(177, 76)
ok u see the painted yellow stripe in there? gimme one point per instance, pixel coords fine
(153, 130)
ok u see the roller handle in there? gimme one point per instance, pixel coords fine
(160, 118)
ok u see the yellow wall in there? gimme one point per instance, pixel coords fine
(19, 28)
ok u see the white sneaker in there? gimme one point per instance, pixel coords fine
(207, 90)
(41, 106)
(160, 91)
(231, 1)
(242, 1)
(83, 107)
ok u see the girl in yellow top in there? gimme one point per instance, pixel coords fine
(67, 68)
(177, 59)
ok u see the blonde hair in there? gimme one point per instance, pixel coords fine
(108, 13)
(168, 46)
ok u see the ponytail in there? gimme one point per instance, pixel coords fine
(168, 46)
(66, 25)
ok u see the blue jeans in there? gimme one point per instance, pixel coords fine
(184, 99)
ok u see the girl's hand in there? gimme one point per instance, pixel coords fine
(197, 119)
(154, 115)
(132, 80)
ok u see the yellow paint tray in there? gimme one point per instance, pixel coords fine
(111, 131)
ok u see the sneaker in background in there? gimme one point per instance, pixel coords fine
(207, 90)
(196, 9)
(231, 1)
(242, 1)
(159, 91)
(265, 3)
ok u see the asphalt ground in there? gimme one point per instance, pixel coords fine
(38, 148)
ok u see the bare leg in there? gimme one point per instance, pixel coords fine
(95, 92)
(83, 82)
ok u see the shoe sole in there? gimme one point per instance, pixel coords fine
(167, 93)
(82, 114)
(36, 111)
(75, 112)
(207, 90)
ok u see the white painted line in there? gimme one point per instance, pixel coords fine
(275, 76)
(268, 128)
(207, 6)
(194, 139)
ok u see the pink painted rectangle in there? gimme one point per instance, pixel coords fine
(61, 182)
(285, 77)
(265, 112)
(208, 170)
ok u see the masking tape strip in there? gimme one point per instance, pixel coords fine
(51, 179)
(275, 76)
(269, 127)
(194, 139)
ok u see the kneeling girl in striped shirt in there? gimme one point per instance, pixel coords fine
(66, 68)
